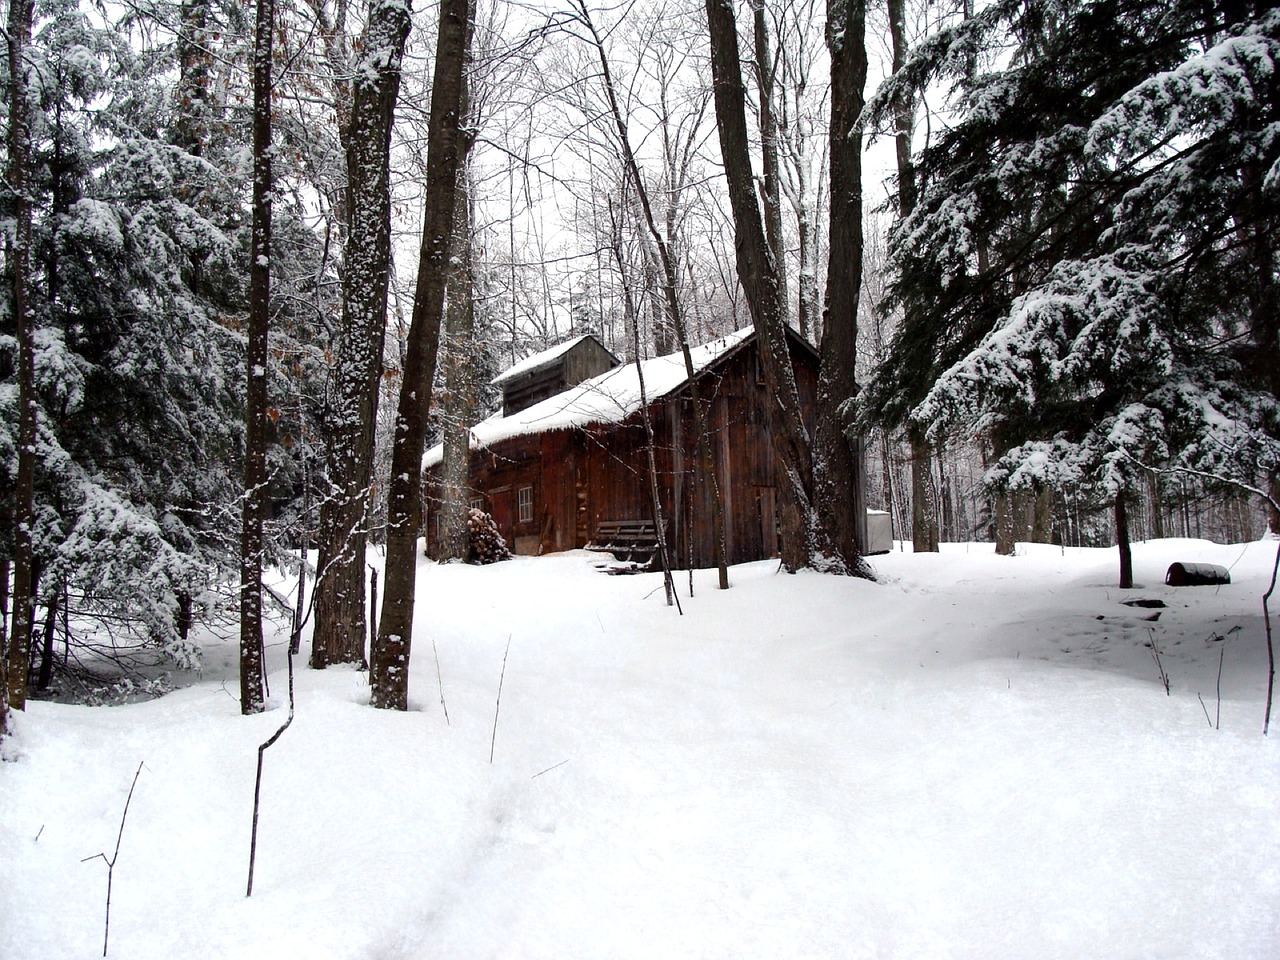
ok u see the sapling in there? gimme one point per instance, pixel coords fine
(498, 704)
(1155, 655)
(257, 783)
(111, 861)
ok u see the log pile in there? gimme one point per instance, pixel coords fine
(486, 543)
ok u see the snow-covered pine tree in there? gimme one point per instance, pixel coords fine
(1091, 266)
(138, 292)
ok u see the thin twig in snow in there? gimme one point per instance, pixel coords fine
(549, 769)
(257, 783)
(111, 862)
(498, 704)
(440, 681)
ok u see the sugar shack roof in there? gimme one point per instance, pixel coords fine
(609, 398)
(543, 359)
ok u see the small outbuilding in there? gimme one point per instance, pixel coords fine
(551, 472)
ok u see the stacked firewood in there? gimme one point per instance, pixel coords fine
(487, 545)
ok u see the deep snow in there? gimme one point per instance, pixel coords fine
(972, 758)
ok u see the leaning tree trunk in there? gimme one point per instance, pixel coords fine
(17, 662)
(339, 634)
(674, 310)
(804, 541)
(389, 663)
(839, 481)
(255, 439)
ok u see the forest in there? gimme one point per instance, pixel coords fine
(258, 256)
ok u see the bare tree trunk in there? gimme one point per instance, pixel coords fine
(839, 480)
(458, 406)
(1157, 505)
(924, 508)
(804, 541)
(340, 608)
(389, 663)
(18, 659)
(1122, 541)
(255, 440)
(45, 676)
(1006, 527)
(770, 188)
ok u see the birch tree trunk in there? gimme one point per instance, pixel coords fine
(339, 635)
(255, 439)
(389, 662)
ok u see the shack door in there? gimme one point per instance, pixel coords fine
(502, 509)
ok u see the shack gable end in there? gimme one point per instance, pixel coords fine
(553, 371)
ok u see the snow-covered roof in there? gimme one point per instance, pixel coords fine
(539, 360)
(609, 398)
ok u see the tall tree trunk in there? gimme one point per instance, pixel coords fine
(339, 634)
(255, 441)
(389, 663)
(770, 186)
(1006, 524)
(1122, 541)
(839, 479)
(18, 659)
(458, 407)
(45, 676)
(804, 540)
(1157, 504)
(924, 506)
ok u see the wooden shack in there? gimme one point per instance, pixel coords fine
(550, 473)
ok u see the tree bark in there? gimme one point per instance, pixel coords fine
(839, 479)
(1122, 541)
(17, 661)
(255, 442)
(803, 538)
(459, 405)
(389, 663)
(339, 635)
(1006, 528)
(924, 506)
(770, 186)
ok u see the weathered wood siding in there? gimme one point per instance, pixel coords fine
(586, 359)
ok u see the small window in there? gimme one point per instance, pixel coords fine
(525, 500)
(478, 504)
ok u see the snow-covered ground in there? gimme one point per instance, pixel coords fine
(972, 758)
